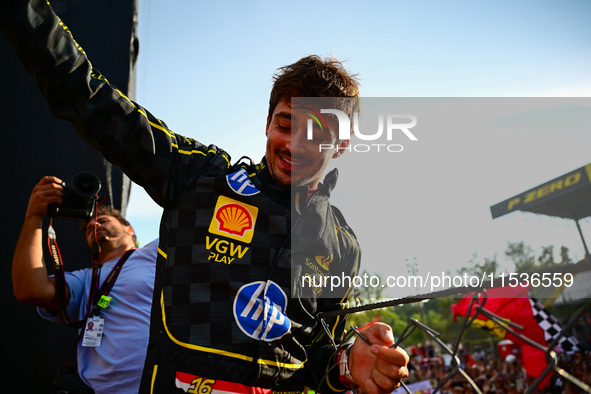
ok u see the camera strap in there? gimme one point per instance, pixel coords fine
(99, 299)
(60, 278)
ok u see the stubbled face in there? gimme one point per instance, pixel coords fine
(294, 160)
(108, 229)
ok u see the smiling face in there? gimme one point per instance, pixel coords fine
(294, 160)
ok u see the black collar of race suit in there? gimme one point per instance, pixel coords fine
(282, 192)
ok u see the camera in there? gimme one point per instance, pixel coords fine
(79, 198)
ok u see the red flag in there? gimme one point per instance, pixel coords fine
(470, 360)
(532, 358)
(512, 303)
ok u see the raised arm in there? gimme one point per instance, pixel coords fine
(29, 276)
(125, 133)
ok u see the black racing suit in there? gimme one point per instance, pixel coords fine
(232, 297)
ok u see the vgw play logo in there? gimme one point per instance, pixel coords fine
(391, 125)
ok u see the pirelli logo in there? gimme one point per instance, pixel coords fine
(545, 190)
(233, 219)
(558, 187)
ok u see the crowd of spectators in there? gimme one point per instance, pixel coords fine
(492, 373)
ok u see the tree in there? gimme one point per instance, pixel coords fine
(546, 259)
(367, 293)
(565, 258)
(521, 255)
(477, 268)
(385, 315)
(524, 259)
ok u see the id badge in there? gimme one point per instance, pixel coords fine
(93, 332)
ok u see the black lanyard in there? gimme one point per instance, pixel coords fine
(99, 300)
(96, 298)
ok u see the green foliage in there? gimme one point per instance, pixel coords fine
(521, 255)
(565, 258)
(436, 313)
(368, 293)
(524, 258)
(546, 259)
(477, 268)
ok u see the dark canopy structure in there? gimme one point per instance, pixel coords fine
(568, 197)
(33, 144)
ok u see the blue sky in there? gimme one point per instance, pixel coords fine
(205, 68)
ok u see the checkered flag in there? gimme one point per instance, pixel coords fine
(552, 328)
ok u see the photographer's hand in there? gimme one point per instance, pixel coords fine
(29, 276)
(49, 190)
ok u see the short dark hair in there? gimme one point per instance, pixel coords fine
(107, 210)
(313, 76)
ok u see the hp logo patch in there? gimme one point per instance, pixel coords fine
(241, 184)
(259, 310)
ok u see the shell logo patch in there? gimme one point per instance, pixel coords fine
(233, 219)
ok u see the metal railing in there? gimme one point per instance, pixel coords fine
(476, 308)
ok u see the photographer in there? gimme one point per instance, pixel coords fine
(111, 345)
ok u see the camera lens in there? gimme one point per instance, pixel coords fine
(79, 198)
(86, 184)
